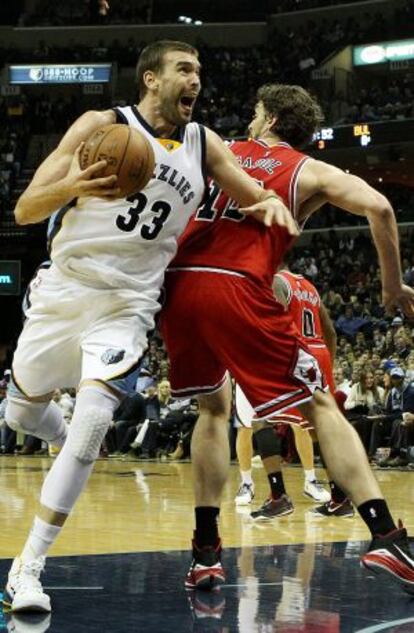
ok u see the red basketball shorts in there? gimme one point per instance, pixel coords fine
(293, 415)
(214, 322)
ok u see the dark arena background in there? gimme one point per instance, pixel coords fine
(120, 563)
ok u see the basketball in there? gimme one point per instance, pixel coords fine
(128, 153)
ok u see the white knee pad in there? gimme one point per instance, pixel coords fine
(87, 431)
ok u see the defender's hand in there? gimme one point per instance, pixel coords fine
(272, 211)
(401, 297)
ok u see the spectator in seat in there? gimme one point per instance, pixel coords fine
(402, 432)
(402, 345)
(349, 324)
(166, 419)
(364, 399)
(130, 413)
(342, 384)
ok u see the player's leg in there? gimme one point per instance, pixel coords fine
(347, 462)
(40, 417)
(191, 300)
(244, 450)
(269, 448)
(304, 447)
(244, 447)
(44, 352)
(210, 456)
(339, 505)
(64, 483)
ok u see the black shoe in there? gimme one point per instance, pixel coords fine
(206, 571)
(273, 508)
(332, 509)
(391, 555)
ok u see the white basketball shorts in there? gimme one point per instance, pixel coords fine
(74, 332)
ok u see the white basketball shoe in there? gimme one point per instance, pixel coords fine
(245, 494)
(28, 622)
(315, 491)
(24, 591)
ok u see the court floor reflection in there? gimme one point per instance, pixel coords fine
(312, 588)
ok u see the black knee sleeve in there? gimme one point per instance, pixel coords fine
(268, 442)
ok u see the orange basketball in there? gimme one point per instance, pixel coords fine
(128, 153)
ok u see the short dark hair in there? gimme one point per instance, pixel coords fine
(152, 58)
(298, 112)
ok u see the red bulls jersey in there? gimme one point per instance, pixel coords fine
(304, 306)
(218, 236)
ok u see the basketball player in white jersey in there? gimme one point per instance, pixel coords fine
(92, 309)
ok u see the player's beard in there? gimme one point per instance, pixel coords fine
(170, 110)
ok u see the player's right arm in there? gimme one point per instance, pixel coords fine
(59, 178)
(356, 196)
(328, 331)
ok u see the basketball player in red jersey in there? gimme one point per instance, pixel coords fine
(302, 300)
(219, 292)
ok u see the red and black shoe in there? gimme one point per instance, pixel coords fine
(391, 555)
(206, 571)
(207, 609)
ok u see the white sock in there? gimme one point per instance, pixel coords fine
(41, 537)
(246, 476)
(310, 475)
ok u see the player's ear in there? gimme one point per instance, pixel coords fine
(150, 79)
(271, 121)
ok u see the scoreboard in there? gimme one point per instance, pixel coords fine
(363, 134)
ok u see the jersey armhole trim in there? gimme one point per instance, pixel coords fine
(120, 116)
(293, 186)
(57, 222)
(203, 142)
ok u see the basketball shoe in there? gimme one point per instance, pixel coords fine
(344, 509)
(207, 609)
(28, 623)
(206, 571)
(245, 494)
(273, 508)
(315, 491)
(24, 591)
(390, 555)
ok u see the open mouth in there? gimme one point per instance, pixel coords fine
(187, 102)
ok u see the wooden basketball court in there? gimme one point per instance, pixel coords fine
(129, 537)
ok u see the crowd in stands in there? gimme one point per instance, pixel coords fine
(12, 142)
(384, 100)
(234, 74)
(375, 353)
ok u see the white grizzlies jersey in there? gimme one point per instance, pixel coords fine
(128, 243)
